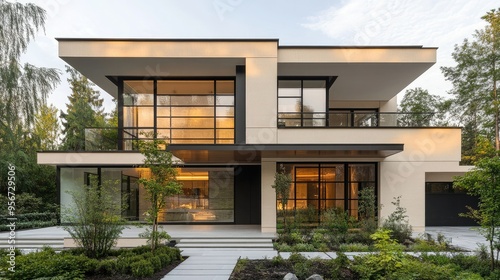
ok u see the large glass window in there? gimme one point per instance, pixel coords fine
(320, 186)
(302, 103)
(207, 196)
(182, 111)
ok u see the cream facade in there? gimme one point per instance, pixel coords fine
(235, 110)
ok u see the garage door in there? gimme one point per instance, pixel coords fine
(443, 204)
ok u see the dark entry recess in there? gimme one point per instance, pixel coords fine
(443, 204)
(247, 201)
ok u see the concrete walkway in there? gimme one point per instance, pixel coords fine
(466, 238)
(213, 264)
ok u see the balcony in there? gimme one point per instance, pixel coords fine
(342, 119)
(101, 139)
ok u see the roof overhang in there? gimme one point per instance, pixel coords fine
(375, 73)
(364, 73)
(254, 153)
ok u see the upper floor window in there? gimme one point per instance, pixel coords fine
(302, 102)
(181, 111)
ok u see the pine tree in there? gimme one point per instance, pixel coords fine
(83, 111)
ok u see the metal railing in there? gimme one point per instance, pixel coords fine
(357, 119)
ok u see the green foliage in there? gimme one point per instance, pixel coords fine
(397, 222)
(475, 81)
(337, 223)
(142, 268)
(49, 264)
(484, 182)
(388, 259)
(282, 182)
(95, 219)
(354, 247)
(30, 220)
(368, 210)
(23, 88)
(83, 111)
(159, 184)
(46, 130)
(424, 109)
(72, 264)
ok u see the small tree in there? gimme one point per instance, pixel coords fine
(484, 182)
(160, 183)
(282, 181)
(95, 222)
(368, 209)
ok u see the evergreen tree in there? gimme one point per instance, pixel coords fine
(83, 111)
(474, 79)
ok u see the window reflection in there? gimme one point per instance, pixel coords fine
(323, 186)
(187, 111)
(207, 196)
(302, 103)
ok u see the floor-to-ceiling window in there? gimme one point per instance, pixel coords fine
(207, 196)
(320, 186)
(181, 111)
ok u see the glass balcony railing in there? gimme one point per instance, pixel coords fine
(357, 119)
(101, 139)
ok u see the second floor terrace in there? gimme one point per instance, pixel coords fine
(110, 139)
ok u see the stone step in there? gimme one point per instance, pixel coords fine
(225, 240)
(225, 245)
(32, 241)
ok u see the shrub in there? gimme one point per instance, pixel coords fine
(388, 259)
(303, 247)
(368, 210)
(156, 263)
(107, 267)
(142, 268)
(354, 247)
(397, 222)
(296, 258)
(164, 259)
(336, 221)
(47, 263)
(95, 219)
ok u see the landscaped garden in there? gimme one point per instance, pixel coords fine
(136, 263)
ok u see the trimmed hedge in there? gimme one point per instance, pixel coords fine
(29, 220)
(71, 264)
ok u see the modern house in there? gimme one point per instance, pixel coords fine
(234, 111)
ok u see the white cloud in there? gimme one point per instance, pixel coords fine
(430, 23)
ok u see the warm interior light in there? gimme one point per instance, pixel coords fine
(192, 178)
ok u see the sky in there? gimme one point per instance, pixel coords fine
(431, 23)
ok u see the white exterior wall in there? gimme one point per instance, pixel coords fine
(268, 196)
(261, 100)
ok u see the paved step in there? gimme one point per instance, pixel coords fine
(224, 243)
(226, 240)
(30, 243)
